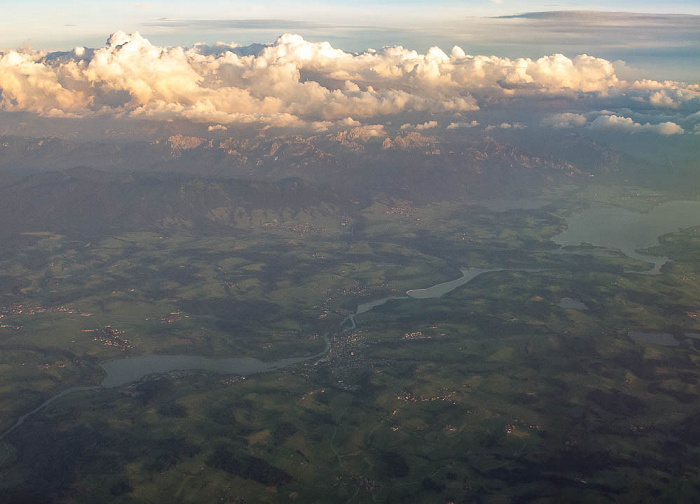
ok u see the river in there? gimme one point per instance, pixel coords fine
(601, 226)
(131, 369)
(119, 372)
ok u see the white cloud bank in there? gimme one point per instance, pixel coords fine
(294, 82)
(458, 125)
(565, 120)
(627, 125)
(426, 125)
(609, 121)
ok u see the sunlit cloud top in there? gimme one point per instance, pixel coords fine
(297, 83)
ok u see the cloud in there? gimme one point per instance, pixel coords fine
(627, 125)
(349, 121)
(239, 24)
(668, 94)
(291, 81)
(296, 83)
(662, 99)
(506, 126)
(457, 125)
(426, 125)
(364, 133)
(565, 120)
(606, 17)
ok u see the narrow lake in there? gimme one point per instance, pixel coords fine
(468, 274)
(127, 370)
(370, 305)
(131, 369)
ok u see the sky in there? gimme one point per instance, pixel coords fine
(617, 66)
(349, 24)
(668, 46)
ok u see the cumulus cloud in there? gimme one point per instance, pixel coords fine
(296, 83)
(426, 125)
(663, 99)
(288, 83)
(457, 125)
(506, 126)
(630, 34)
(364, 133)
(628, 125)
(349, 121)
(667, 94)
(565, 120)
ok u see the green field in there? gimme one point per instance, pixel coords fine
(492, 393)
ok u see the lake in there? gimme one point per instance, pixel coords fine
(572, 304)
(131, 369)
(468, 274)
(369, 305)
(655, 338)
(628, 231)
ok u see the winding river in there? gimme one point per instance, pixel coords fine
(601, 226)
(119, 372)
(131, 369)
